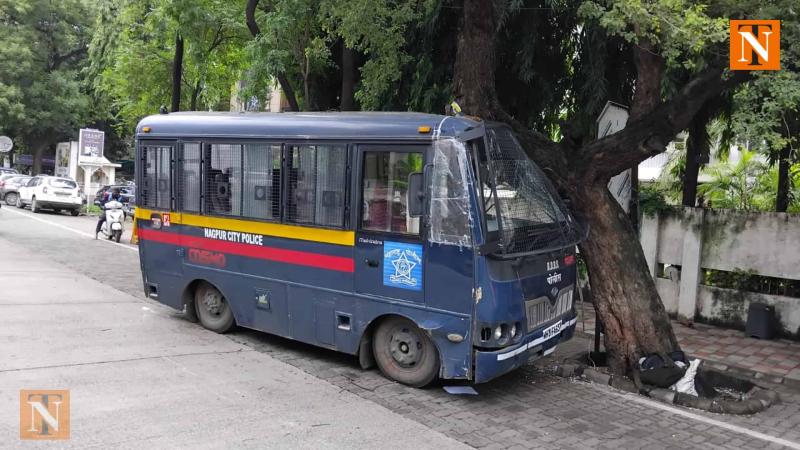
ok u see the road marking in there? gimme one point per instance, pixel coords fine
(718, 423)
(64, 227)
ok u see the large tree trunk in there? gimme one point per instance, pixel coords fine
(784, 181)
(283, 80)
(38, 153)
(195, 96)
(37, 146)
(347, 100)
(625, 295)
(177, 71)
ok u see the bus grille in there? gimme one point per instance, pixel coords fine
(540, 311)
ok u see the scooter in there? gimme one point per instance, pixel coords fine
(115, 221)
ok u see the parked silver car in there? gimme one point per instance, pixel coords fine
(9, 188)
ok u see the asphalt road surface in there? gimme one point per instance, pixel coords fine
(73, 316)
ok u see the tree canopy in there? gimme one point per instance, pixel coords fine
(547, 67)
(42, 94)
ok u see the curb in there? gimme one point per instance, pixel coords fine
(741, 371)
(758, 398)
(752, 374)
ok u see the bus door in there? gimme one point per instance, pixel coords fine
(389, 250)
(160, 248)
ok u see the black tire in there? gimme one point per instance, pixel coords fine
(75, 212)
(404, 353)
(34, 207)
(57, 211)
(117, 235)
(11, 198)
(212, 309)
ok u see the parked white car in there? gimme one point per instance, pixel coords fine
(56, 193)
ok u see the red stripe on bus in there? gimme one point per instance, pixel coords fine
(338, 263)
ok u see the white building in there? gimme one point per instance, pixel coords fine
(90, 172)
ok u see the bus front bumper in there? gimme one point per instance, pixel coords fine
(489, 365)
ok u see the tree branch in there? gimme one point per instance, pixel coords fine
(474, 82)
(283, 80)
(649, 134)
(57, 59)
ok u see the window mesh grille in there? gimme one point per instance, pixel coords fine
(157, 184)
(262, 175)
(224, 180)
(188, 185)
(150, 161)
(531, 215)
(316, 185)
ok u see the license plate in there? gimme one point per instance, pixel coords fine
(62, 193)
(551, 330)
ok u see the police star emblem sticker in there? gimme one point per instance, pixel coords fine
(402, 270)
(402, 265)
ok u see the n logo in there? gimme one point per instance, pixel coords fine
(755, 45)
(43, 415)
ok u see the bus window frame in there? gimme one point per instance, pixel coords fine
(348, 151)
(160, 142)
(405, 147)
(284, 145)
(178, 165)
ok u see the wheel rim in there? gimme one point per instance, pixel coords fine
(406, 347)
(213, 303)
(11, 201)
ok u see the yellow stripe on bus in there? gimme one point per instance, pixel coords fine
(327, 236)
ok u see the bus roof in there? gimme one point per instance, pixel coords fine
(304, 125)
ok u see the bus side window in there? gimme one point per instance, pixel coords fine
(156, 179)
(316, 184)
(188, 184)
(224, 180)
(261, 179)
(384, 191)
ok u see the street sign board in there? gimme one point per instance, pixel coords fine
(90, 143)
(611, 120)
(6, 144)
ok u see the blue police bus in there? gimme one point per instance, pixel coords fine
(427, 245)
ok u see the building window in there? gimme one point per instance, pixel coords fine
(385, 191)
(262, 180)
(223, 194)
(316, 185)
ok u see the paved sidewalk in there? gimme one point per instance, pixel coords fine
(140, 376)
(778, 359)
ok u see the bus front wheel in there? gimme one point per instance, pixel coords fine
(405, 353)
(212, 309)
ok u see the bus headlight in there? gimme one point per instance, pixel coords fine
(498, 333)
(513, 332)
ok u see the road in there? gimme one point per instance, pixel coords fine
(72, 315)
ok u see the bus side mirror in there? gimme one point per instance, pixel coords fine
(416, 194)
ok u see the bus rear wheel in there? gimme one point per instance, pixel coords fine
(212, 309)
(404, 353)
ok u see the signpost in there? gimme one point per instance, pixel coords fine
(6, 144)
(90, 144)
(611, 120)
